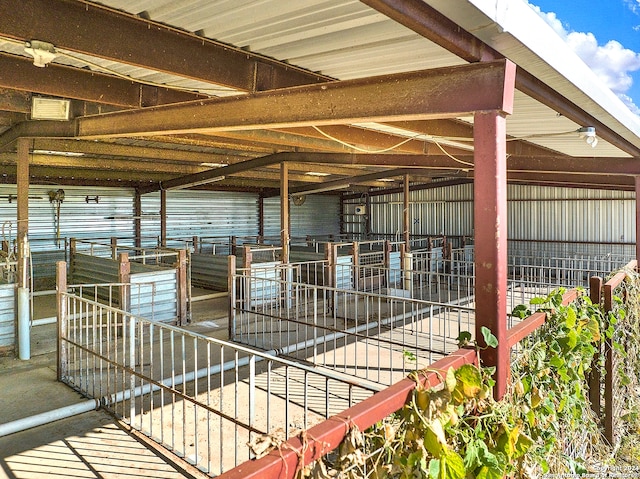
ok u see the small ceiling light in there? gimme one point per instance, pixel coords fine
(316, 173)
(43, 108)
(43, 53)
(589, 135)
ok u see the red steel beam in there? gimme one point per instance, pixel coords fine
(86, 27)
(525, 328)
(431, 24)
(19, 73)
(490, 225)
(437, 93)
(282, 463)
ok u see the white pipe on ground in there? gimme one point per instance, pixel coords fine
(47, 417)
(92, 404)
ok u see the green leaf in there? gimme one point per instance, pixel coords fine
(572, 337)
(450, 380)
(571, 318)
(523, 445)
(489, 338)
(452, 465)
(434, 439)
(434, 468)
(487, 458)
(464, 338)
(521, 311)
(594, 327)
(556, 361)
(471, 459)
(469, 380)
(489, 473)
(538, 301)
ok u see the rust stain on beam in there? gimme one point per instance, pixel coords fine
(90, 29)
(19, 73)
(437, 93)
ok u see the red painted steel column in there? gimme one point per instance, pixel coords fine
(490, 223)
(638, 220)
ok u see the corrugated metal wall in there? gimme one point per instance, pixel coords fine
(202, 213)
(110, 216)
(319, 215)
(535, 213)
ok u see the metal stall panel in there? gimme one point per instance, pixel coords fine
(210, 271)
(7, 315)
(202, 213)
(154, 294)
(318, 215)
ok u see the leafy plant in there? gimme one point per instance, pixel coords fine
(458, 431)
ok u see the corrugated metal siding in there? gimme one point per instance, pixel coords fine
(319, 215)
(447, 210)
(111, 216)
(567, 214)
(7, 315)
(534, 212)
(202, 213)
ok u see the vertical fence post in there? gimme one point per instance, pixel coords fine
(595, 291)
(231, 287)
(608, 366)
(356, 266)
(114, 248)
(183, 287)
(124, 277)
(61, 287)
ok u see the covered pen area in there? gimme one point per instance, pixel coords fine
(226, 212)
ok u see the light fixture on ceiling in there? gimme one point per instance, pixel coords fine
(213, 165)
(316, 173)
(588, 133)
(43, 53)
(57, 153)
(49, 108)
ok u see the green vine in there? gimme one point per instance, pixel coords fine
(457, 430)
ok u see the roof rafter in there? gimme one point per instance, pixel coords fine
(437, 93)
(144, 43)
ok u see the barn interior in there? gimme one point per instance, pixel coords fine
(337, 188)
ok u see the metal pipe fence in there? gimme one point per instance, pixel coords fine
(366, 335)
(202, 398)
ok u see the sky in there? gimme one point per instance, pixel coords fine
(606, 35)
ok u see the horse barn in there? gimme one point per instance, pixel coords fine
(235, 219)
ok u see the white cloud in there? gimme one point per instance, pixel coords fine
(612, 62)
(634, 5)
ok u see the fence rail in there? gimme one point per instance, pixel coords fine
(202, 398)
(366, 335)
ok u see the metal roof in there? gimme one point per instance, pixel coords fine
(345, 40)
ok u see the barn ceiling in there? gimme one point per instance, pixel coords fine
(217, 94)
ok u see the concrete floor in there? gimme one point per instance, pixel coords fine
(89, 445)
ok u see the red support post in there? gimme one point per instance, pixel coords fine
(490, 223)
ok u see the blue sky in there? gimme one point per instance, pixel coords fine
(606, 35)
